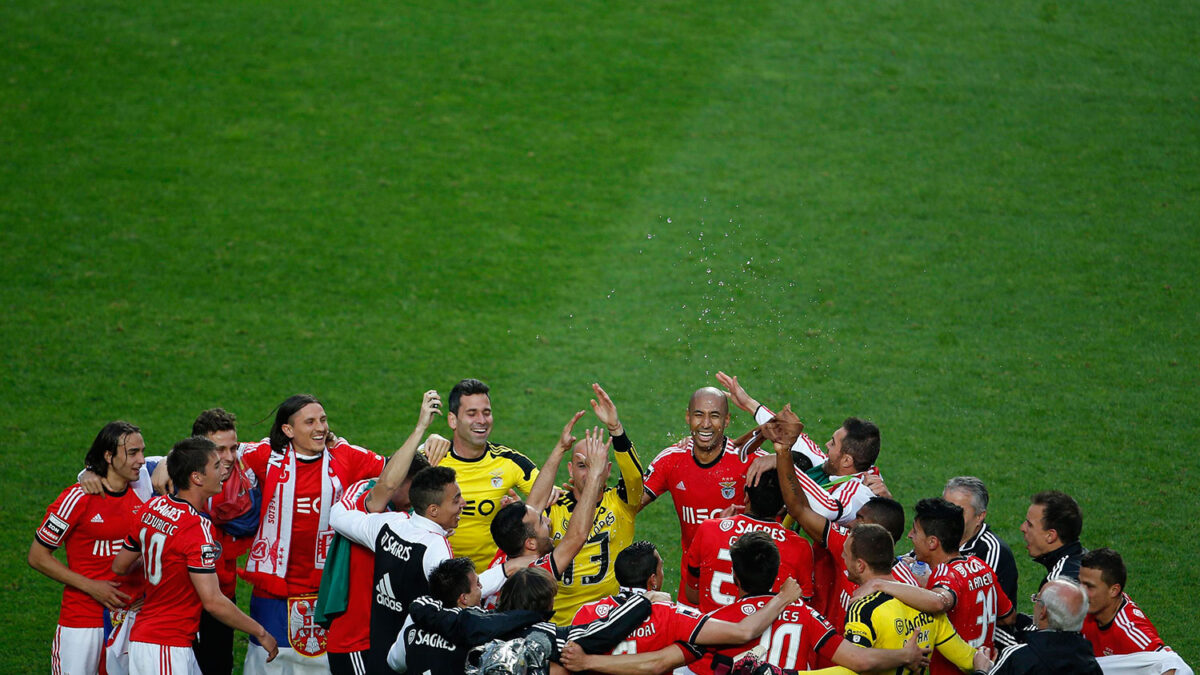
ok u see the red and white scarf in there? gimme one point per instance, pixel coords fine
(267, 565)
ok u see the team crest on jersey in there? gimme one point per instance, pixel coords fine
(304, 635)
(726, 525)
(603, 610)
(728, 488)
(749, 609)
(497, 479)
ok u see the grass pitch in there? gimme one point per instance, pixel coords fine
(972, 224)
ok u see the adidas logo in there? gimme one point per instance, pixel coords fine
(384, 596)
(680, 486)
(97, 519)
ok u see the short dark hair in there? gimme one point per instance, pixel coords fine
(465, 387)
(1110, 564)
(885, 512)
(942, 519)
(528, 588)
(283, 415)
(861, 442)
(213, 420)
(428, 487)
(873, 544)
(636, 564)
(107, 441)
(755, 562)
(451, 579)
(187, 456)
(766, 499)
(419, 462)
(1060, 512)
(509, 529)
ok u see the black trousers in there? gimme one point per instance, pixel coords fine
(214, 647)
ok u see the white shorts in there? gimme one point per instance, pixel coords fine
(150, 659)
(288, 662)
(76, 651)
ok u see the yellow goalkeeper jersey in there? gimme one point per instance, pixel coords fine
(879, 620)
(484, 481)
(591, 576)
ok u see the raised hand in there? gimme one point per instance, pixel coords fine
(604, 408)
(431, 405)
(736, 393)
(567, 440)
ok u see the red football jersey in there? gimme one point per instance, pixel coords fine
(351, 631)
(699, 491)
(978, 600)
(93, 528)
(707, 558)
(835, 542)
(1128, 633)
(174, 540)
(350, 463)
(794, 641)
(667, 624)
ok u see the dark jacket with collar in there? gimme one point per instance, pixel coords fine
(1048, 652)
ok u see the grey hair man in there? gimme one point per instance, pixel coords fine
(1057, 646)
(979, 539)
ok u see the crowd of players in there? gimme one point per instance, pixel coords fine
(430, 561)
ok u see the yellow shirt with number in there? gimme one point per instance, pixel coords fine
(591, 576)
(484, 482)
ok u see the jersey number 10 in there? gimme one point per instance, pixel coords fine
(152, 554)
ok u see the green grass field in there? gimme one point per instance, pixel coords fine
(975, 224)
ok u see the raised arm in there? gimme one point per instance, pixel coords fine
(595, 452)
(543, 485)
(396, 469)
(631, 487)
(737, 394)
(793, 496)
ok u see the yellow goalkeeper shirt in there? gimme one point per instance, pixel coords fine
(879, 620)
(591, 576)
(484, 481)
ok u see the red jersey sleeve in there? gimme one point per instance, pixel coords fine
(201, 549)
(60, 516)
(355, 498)
(255, 457)
(657, 475)
(835, 539)
(360, 462)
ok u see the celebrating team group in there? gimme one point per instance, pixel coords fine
(460, 555)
